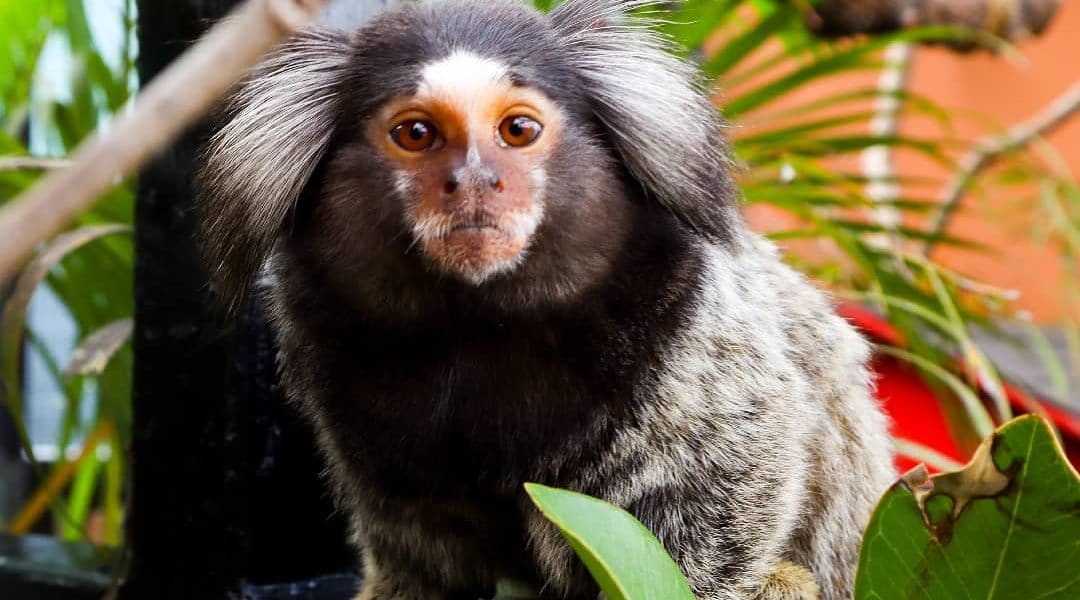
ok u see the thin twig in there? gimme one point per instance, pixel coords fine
(48, 493)
(987, 152)
(172, 101)
(31, 163)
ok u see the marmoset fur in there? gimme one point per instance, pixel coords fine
(498, 247)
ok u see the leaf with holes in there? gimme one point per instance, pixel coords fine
(1006, 526)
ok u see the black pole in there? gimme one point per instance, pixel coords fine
(178, 540)
(227, 500)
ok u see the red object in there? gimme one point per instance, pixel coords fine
(914, 410)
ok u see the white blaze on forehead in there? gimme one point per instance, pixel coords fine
(463, 76)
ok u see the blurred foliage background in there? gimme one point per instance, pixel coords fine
(66, 67)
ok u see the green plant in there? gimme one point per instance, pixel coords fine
(1004, 526)
(59, 82)
(620, 553)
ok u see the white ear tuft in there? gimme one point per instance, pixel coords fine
(655, 110)
(277, 127)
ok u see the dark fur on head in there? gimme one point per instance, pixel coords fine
(626, 92)
(645, 348)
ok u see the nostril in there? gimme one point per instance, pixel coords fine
(496, 184)
(451, 184)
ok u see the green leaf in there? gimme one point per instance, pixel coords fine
(976, 412)
(784, 135)
(741, 47)
(1004, 527)
(78, 26)
(860, 56)
(13, 316)
(1053, 365)
(925, 454)
(691, 22)
(976, 362)
(81, 498)
(626, 560)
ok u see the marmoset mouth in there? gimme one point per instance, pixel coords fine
(476, 226)
(483, 240)
(476, 250)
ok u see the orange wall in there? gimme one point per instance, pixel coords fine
(1008, 93)
(985, 93)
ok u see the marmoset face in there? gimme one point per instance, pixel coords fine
(468, 153)
(465, 160)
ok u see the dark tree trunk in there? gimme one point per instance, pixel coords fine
(1011, 19)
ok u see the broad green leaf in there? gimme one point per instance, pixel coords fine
(621, 554)
(1005, 527)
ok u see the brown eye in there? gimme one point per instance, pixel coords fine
(414, 136)
(519, 131)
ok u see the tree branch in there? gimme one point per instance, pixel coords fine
(171, 102)
(31, 163)
(987, 151)
(1014, 20)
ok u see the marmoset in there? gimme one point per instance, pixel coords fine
(499, 246)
